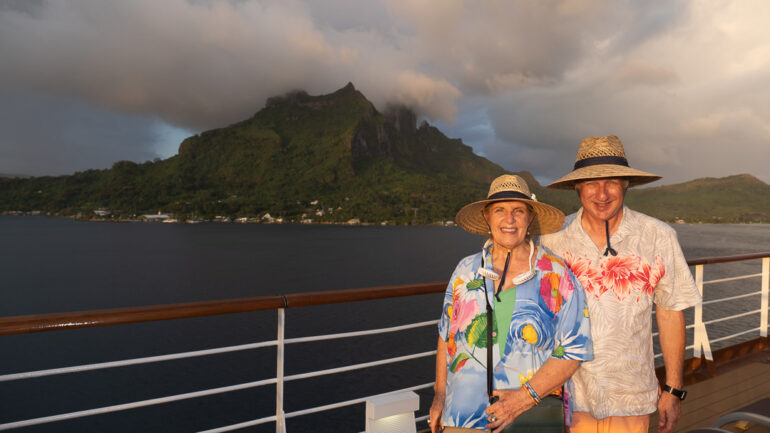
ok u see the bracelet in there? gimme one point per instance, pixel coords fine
(536, 398)
(532, 398)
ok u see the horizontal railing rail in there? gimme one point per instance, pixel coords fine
(117, 316)
(726, 259)
(153, 313)
(74, 320)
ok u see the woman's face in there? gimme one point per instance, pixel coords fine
(508, 222)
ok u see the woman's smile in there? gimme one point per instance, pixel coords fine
(508, 222)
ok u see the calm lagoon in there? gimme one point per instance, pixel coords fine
(56, 265)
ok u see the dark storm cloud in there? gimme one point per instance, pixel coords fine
(521, 81)
(33, 8)
(684, 102)
(28, 146)
(202, 64)
(206, 63)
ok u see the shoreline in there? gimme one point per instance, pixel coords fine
(255, 220)
(228, 220)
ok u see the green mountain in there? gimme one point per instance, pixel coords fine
(332, 158)
(336, 149)
(734, 199)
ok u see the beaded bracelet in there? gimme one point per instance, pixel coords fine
(532, 393)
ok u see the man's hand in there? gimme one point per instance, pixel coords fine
(669, 410)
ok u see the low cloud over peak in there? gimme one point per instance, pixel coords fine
(522, 82)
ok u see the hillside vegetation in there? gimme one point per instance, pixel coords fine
(332, 158)
(299, 155)
(734, 199)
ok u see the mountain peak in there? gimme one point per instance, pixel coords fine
(348, 87)
(530, 179)
(746, 178)
(347, 95)
(736, 179)
(402, 118)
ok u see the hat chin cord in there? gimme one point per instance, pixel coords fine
(609, 249)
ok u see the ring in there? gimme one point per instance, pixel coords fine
(492, 418)
(428, 421)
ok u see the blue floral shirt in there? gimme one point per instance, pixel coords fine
(550, 319)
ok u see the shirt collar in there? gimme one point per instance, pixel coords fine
(626, 223)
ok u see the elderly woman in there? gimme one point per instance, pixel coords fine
(539, 330)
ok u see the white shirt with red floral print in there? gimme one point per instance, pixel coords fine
(620, 291)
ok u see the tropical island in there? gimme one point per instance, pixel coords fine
(334, 159)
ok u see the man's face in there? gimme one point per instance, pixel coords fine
(602, 199)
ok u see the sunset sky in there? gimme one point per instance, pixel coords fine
(685, 85)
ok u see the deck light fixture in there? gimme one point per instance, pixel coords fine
(392, 413)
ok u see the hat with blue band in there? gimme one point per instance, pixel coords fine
(602, 157)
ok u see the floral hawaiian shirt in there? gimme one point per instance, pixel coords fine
(620, 291)
(550, 319)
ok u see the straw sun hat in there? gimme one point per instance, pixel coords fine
(507, 187)
(600, 157)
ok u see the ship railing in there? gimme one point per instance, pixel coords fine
(50, 322)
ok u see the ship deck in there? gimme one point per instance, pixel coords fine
(736, 384)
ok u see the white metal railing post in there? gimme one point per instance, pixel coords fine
(765, 295)
(280, 418)
(700, 336)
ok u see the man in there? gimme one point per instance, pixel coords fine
(625, 261)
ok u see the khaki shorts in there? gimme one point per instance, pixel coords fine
(584, 422)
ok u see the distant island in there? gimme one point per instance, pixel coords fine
(334, 159)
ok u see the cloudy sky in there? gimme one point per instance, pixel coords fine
(685, 85)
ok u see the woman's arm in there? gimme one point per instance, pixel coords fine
(513, 402)
(439, 388)
(552, 375)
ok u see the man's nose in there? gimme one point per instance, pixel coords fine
(601, 192)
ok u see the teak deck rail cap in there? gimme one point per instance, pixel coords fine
(117, 316)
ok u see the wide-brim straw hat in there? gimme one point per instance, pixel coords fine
(509, 187)
(602, 157)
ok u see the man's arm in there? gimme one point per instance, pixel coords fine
(672, 341)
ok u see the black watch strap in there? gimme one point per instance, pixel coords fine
(678, 393)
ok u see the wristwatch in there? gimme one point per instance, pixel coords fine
(678, 393)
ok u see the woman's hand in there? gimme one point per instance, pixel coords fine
(434, 417)
(511, 404)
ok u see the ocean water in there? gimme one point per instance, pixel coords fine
(56, 265)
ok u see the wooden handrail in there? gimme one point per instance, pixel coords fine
(725, 259)
(117, 316)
